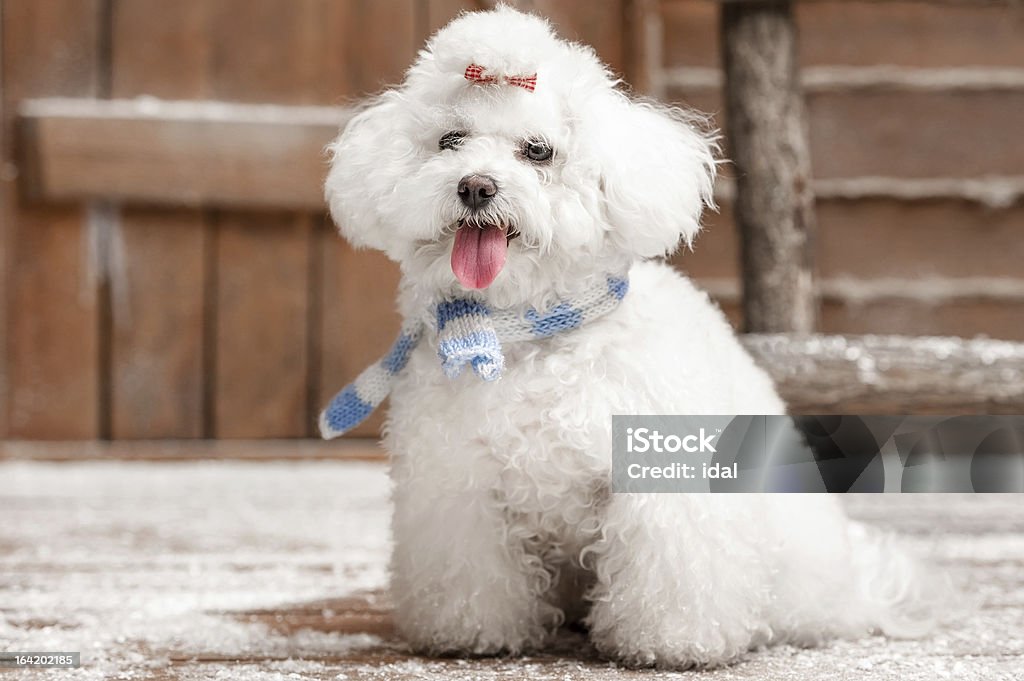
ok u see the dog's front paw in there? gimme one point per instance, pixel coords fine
(665, 641)
(670, 592)
(474, 629)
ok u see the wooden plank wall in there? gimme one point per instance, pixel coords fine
(158, 356)
(144, 322)
(52, 369)
(141, 322)
(912, 106)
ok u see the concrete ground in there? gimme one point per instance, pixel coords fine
(278, 571)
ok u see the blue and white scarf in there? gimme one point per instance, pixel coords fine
(468, 334)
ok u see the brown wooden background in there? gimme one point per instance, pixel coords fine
(130, 321)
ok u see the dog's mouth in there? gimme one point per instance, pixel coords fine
(479, 251)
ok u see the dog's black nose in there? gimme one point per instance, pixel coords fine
(476, 191)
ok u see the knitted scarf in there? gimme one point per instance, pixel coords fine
(468, 334)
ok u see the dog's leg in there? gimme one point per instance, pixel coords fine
(681, 580)
(461, 580)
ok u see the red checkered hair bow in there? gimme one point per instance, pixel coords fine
(478, 74)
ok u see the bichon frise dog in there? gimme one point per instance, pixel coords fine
(524, 196)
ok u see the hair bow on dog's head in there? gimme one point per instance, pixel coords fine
(478, 74)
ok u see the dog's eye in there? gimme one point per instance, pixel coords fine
(537, 150)
(451, 140)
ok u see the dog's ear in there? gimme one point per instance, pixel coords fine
(657, 172)
(361, 181)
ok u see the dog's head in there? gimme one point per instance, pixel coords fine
(508, 161)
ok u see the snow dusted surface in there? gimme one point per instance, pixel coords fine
(274, 571)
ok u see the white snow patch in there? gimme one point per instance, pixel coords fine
(134, 563)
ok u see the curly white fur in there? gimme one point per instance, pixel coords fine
(504, 525)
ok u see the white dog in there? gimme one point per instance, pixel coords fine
(508, 170)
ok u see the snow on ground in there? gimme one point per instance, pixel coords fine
(125, 562)
(230, 570)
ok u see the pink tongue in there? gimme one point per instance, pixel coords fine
(478, 255)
